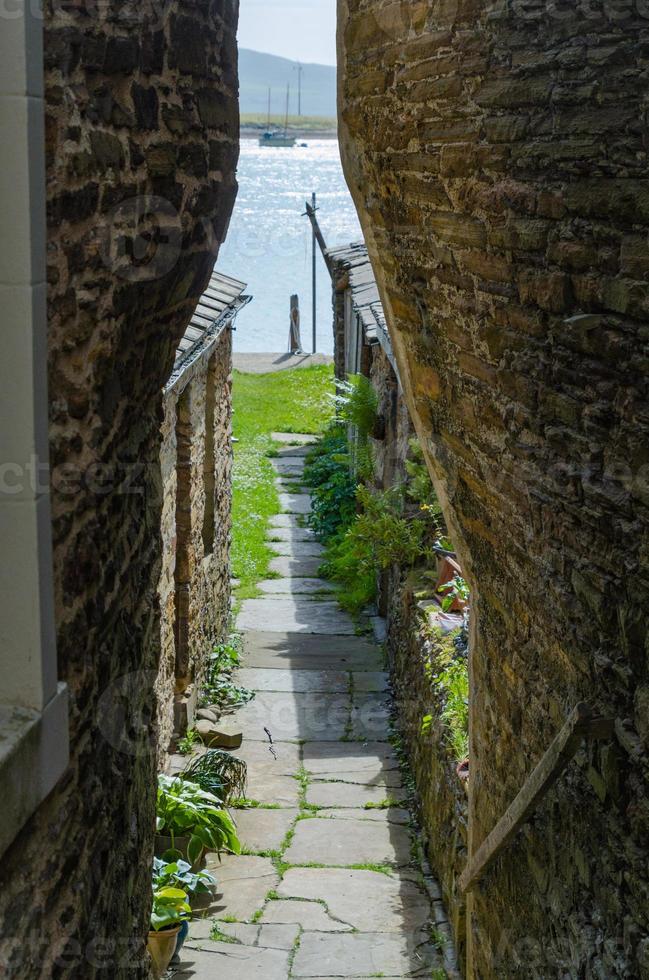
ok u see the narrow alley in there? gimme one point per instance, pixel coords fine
(329, 883)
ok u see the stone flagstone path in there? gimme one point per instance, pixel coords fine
(327, 886)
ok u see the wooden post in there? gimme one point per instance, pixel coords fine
(317, 231)
(581, 724)
(294, 341)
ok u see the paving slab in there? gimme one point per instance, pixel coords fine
(337, 842)
(262, 648)
(356, 762)
(290, 534)
(294, 438)
(376, 682)
(280, 936)
(299, 681)
(392, 814)
(263, 830)
(365, 900)
(286, 520)
(370, 716)
(296, 567)
(289, 715)
(299, 586)
(364, 955)
(271, 790)
(288, 451)
(287, 614)
(297, 549)
(348, 795)
(234, 961)
(243, 883)
(310, 915)
(295, 503)
(292, 466)
(256, 753)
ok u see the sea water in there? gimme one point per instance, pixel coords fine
(269, 241)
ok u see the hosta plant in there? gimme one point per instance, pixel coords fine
(186, 810)
(170, 908)
(177, 873)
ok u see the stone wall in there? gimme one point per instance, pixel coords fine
(416, 649)
(201, 397)
(141, 124)
(390, 452)
(497, 155)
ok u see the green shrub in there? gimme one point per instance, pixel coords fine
(356, 404)
(379, 536)
(328, 473)
(454, 682)
(356, 409)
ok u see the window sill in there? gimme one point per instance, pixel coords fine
(34, 754)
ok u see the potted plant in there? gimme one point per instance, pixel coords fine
(190, 821)
(170, 911)
(456, 594)
(219, 773)
(170, 871)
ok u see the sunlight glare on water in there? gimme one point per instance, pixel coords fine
(269, 242)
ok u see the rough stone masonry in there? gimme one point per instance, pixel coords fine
(497, 153)
(142, 127)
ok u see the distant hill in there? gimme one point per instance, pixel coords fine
(258, 71)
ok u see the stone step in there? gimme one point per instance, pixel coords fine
(295, 567)
(286, 521)
(289, 465)
(297, 549)
(279, 533)
(295, 615)
(286, 452)
(298, 586)
(309, 651)
(295, 503)
(294, 438)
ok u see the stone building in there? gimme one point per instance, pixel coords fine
(119, 151)
(196, 464)
(407, 598)
(362, 346)
(497, 157)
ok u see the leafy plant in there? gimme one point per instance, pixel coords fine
(219, 688)
(178, 874)
(328, 473)
(218, 772)
(457, 588)
(454, 682)
(170, 908)
(187, 743)
(356, 407)
(186, 810)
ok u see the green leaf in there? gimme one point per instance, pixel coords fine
(195, 848)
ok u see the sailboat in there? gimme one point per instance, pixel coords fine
(275, 137)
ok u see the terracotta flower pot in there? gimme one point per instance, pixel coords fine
(162, 946)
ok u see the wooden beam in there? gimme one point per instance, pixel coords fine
(581, 724)
(311, 215)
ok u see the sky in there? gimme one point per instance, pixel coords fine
(302, 30)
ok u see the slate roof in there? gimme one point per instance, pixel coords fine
(221, 300)
(355, 260)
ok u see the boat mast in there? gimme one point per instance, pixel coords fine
(269, 94)
(288, 96)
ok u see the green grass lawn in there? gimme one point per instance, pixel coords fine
(288, 401)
